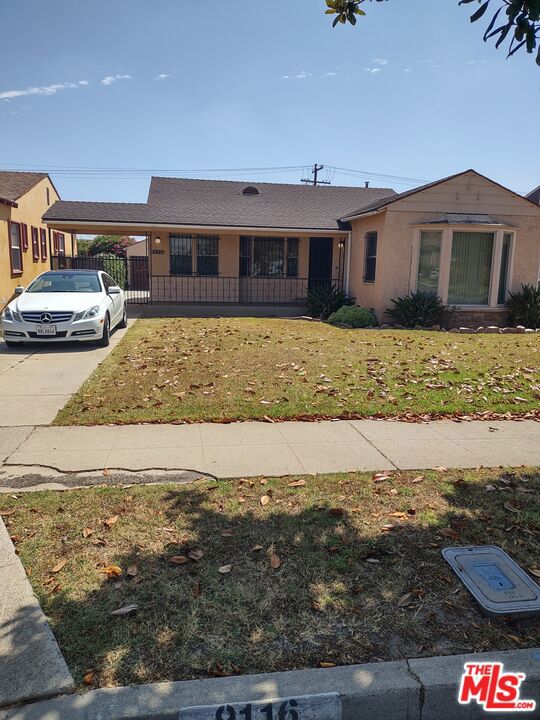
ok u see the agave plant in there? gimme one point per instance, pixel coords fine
(524, 306)
(324, 299)
(417, 308)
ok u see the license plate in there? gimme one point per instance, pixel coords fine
(46, 330)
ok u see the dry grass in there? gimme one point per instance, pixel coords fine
(360, 574)
(207, 369)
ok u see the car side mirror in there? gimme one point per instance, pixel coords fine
(114, 290)
(19, 290)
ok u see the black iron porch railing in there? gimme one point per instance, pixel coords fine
(195, 289)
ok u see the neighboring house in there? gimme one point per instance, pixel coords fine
(26, 243)
(465, 237)
(534, 195)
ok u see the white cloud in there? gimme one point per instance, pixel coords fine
(380, 61)
(329, 74)
(110, 79)
(408, 70)
(162, 77)
(373, 71)
(302, 75)
(42, 89)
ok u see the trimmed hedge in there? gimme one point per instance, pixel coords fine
(353, 315)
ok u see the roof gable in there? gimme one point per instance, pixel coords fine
(385, 202)
(15, 184)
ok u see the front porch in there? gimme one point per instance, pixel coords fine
(196, 268)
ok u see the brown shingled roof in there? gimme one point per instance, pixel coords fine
(14, 184)
(220, 203)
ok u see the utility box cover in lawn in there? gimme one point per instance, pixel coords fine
(495, 581)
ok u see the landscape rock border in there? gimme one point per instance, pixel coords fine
(420, 689)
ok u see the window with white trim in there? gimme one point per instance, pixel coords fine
(469, 268)
(15, 247)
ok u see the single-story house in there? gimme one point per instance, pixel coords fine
(26, 243)
(466, 238)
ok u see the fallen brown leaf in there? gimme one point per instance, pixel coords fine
(88, 677)
(109, 522)
(405, 600)
(381, 477)
(449, 533)
(265, 499)
(87, 532)
(5, 513)
(225, 569)
(226, 533)
(297, 483)
(132, 570)
(324, 664)
(178, 560)
(275, 561)
(195, 554)
(59, 566)
(112, 571)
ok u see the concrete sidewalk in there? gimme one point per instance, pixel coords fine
(254, 448)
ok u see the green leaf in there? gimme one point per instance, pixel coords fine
(480, 12)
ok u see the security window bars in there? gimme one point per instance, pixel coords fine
(181, 251)
(207, 254)
(292, 257)
(370, 256)
(268, 257)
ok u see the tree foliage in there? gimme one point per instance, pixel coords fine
(517, 20)
(109, 245)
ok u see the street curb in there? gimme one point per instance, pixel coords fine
(31, 664)
(422, 689)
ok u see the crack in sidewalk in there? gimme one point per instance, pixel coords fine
(422, 688)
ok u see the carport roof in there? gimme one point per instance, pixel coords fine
(222, 203)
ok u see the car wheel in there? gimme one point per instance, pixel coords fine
(105, 338)
(124, 320)
(11, 344)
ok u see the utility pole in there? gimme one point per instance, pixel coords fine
(315, 172)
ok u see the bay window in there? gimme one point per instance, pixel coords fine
(465, 268)
(429, 261)
(470, 268)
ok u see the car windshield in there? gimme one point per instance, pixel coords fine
(68, 282)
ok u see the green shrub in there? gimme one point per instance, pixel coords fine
(418, 308)
(116, 268)
(524, 306)
(324, 299)
(356, 317)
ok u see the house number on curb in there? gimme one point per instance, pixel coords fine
(306, 707)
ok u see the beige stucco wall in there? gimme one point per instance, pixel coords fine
(31, 207)
(396, 235)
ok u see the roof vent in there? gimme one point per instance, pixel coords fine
(250, 190)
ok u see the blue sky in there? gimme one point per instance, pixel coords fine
(180, 85)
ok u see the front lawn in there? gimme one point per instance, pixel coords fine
(270, 574)
(178, 369)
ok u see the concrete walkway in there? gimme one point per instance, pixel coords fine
(36, 381)
(254, 448)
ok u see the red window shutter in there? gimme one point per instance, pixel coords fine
(55, 243)
(24, 231)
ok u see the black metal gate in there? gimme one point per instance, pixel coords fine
(130, 273)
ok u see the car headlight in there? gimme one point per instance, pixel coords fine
(11, 315)
(87, 314)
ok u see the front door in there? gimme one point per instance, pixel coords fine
(320, 261)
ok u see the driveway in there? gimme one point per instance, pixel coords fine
(36, 381)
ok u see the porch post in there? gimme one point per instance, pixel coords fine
(348, 251)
